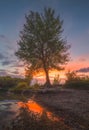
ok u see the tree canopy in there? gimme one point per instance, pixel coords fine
(41, 44)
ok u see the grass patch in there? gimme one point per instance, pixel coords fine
(77, 85)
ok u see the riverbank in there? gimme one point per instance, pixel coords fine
(71, 105)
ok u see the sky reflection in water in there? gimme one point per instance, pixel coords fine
(36, 108)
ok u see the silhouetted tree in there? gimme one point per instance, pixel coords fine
(41, 45)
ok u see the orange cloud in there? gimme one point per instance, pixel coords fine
(77, 64)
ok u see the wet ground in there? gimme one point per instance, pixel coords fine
(72, 105)
(10, 108)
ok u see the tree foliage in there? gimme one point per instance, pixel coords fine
(41, 45)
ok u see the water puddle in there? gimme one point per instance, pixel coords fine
(36, 108)
(8, 105)
(9, 109)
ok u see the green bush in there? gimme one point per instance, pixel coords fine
(21, 86)
(56, 80)
(36, 86)
(7, 82)
(77, 85)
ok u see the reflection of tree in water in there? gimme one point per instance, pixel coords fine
(27, 120)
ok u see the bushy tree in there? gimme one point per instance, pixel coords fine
(71, 75)
(41, 45)
(56, 80)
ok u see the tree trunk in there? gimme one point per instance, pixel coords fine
(47, 84)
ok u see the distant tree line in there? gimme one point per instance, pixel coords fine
(7, 82)
(77, 82)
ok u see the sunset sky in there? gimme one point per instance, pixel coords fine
(75, 14)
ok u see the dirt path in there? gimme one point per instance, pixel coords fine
(73, 105)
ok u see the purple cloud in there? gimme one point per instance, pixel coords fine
(9, 73)
(83, 70)
(16, 72)
(7, 62)
(3, 72)
(2, 56)
(18, 64)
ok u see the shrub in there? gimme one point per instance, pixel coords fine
(7, 82)
(21, 86)
(36, 86)
(56, 80)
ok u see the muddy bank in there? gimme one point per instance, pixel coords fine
(72, 105)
